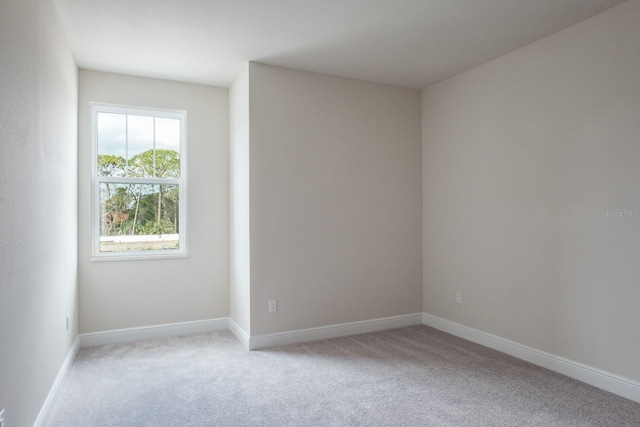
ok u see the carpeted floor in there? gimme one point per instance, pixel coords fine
(415, 376)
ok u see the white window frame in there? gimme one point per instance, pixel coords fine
(181, 182)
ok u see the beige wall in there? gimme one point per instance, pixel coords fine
(38, 182)
(240, 282)
(335, 199)
(125, 294)
(522, 158)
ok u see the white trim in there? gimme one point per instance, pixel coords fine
(140, 256)
(155, 331)
(593, 376)
(333, 331)
(62, 373)
(240, 333)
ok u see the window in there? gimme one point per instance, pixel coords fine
(139, 174)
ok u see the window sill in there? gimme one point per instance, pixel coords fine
(138, 256)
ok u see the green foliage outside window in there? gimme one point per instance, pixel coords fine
(139, 209)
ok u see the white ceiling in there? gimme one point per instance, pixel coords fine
(411, 43)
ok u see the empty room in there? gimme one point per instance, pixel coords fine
(320, 213)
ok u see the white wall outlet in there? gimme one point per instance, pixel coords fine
(68, 322)
(273, 306)
(458, 297)
(2, 418)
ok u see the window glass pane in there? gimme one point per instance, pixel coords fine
(112, 144)
(167, 148)
(168, 134)
(138, 217)
(167, 164)
(140, 143)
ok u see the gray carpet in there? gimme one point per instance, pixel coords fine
(415, 376)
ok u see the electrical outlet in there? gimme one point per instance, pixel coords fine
(273, 306)
(67, 325)
(458, 297)
(2, 418)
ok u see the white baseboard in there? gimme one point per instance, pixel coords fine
(333, 331)
(151, 332)
(593, 376)
(240, 333)
(62, 373)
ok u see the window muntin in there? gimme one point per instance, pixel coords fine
(138, 189)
